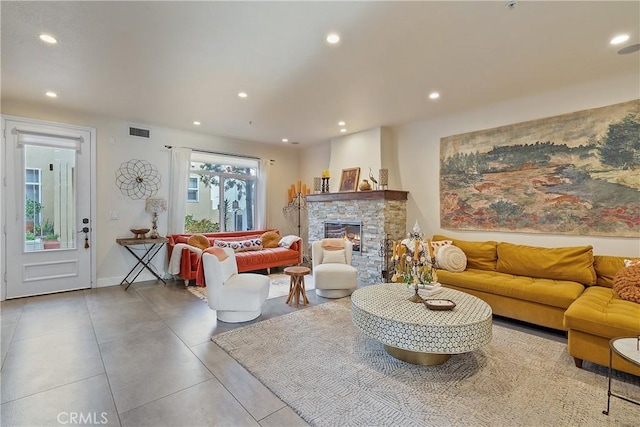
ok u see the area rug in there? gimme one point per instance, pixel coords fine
(320, 365)
(278, 286)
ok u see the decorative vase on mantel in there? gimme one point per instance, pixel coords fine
(364, 185)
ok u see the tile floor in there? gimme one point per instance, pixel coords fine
(133, 358)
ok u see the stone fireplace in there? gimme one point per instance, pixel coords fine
(381, 215)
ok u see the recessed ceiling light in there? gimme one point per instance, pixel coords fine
(341, 123)
(619, 39)
(242, 94)
(333, 38)
(51, 94)
(434, 95)
(197, 123)
(343, 130)
(285, 140)
(48, 39)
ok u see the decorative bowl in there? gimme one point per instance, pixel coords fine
(140, 232)
(439, 304)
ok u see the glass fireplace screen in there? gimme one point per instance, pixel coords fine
(349, 230)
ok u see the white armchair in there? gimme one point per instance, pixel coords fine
(235, 297)
(333, 275)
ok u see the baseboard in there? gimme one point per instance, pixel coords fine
(144, 276)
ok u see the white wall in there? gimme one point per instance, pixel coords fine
(411, 152)
(389, 158)
(314, 160)
(373, 148)
(115, 146)
(418, 146)
(360, 149)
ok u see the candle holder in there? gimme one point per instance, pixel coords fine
(325, 184)
(297, 207)
(416, 296)
(383, 179)
(416, 270)
(416, 274)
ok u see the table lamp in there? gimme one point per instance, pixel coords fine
(155, 205)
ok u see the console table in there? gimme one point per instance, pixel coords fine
(151, 247)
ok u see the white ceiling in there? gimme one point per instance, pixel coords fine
(170, 63)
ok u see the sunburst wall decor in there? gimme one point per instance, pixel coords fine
(138, 179)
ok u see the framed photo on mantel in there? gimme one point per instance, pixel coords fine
(349, 179)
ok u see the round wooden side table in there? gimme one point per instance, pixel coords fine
(296, 285)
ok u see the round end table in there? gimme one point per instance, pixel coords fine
(297, 291)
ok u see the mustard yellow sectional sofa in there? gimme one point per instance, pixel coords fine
(564, 288)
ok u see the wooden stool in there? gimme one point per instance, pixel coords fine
(296, 285)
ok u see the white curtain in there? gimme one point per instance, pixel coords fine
(261, 206)
(178, 186)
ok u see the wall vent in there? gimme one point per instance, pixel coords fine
(139, 132)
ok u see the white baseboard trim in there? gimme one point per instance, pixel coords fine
(103, 282)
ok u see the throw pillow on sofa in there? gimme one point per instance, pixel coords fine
(270, 239)
(199, 241)
(627, 283)
(241, 245)
(437, 244)
(631, 262)
(451, 258)
(287, 241)
(480, 255)
(573, 263)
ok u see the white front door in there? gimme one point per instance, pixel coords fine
(47, 204)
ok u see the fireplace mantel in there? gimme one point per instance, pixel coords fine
(358, 195)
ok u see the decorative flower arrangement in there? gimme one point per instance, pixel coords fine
(415, 270)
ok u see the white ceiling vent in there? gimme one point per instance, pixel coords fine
(139, 132)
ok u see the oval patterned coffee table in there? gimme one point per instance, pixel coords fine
(415, 334)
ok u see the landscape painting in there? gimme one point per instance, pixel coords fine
(577, 173)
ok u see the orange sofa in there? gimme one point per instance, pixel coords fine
(264, 258)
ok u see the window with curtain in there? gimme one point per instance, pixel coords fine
(226, 193)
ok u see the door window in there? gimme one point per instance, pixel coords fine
(33, 200)
(49, 202)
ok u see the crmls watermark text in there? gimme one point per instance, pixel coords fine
(74, 418)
